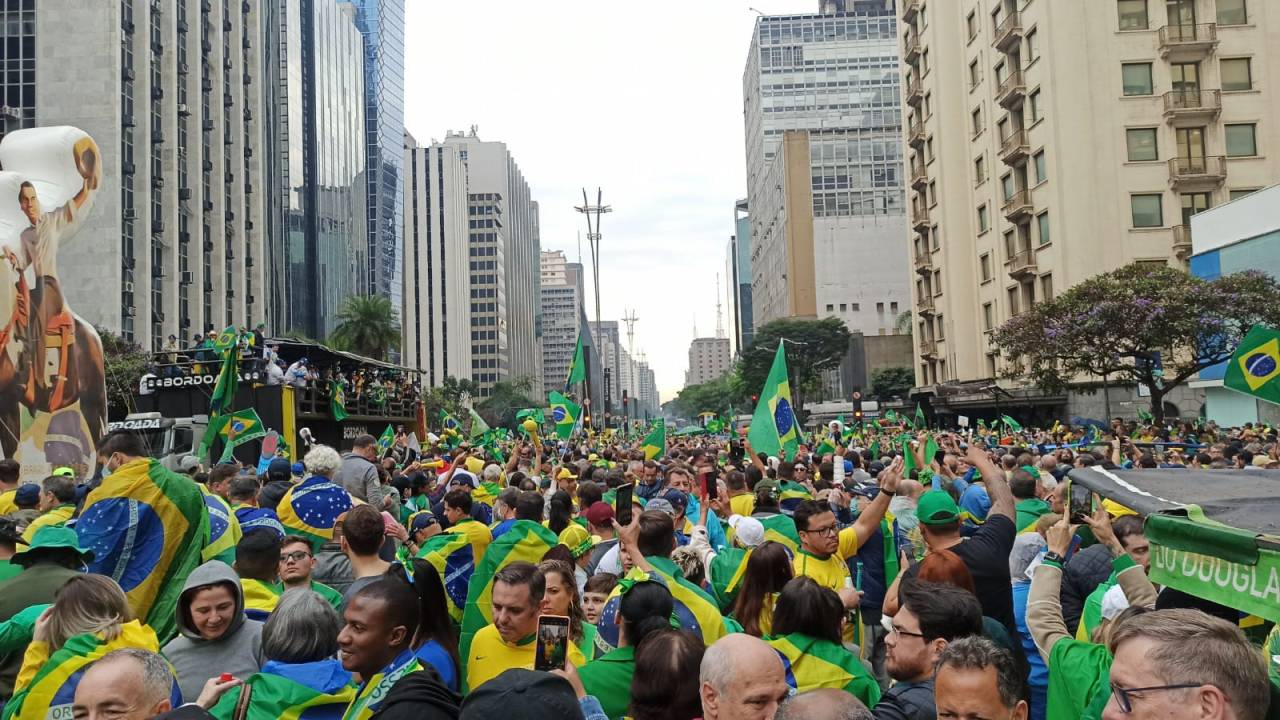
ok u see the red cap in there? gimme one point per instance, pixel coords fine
(599, 514)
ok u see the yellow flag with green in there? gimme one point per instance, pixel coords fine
(655, 443)
(1254, 367)
(565, 413)
(773, 426)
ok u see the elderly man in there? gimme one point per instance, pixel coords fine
(128, 684)
(741, 678)
(824, 704)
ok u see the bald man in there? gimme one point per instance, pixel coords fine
(741, 678)
(824, 704)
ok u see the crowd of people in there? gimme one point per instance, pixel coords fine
(894, 577)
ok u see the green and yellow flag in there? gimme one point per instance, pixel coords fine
(478, 425)
(385, 440)
(453, 557)
(577, 368)
(1253, 368)
(812, 664)
(276, 696)
(773, 426)
(655, 443)
(565, 413)
(539, 416)
(449, 422)
(1013, 425)
(337, 401)
(239, 428)
(919, 420)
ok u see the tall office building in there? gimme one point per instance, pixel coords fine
(738, 285)
(827, 216)
(709, 360)
(317, 248)
(608, 341)
(381, 25)
(170, 91)
(1051, 141)
(561, 313)
(649, 404)
(436, 307)
(504, 253)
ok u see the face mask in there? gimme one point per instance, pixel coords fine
(106, 468)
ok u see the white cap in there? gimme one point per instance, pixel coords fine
(748, 530)
(1113, 603)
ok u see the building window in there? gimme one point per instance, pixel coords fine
(984, 262)
(924, 16)
(1006, 187)
(1237, 74)
(939, 334)
(988, 316)
(975, 74)
(1133, 14)
(1034, 111)
(977, 120)
(1042, 172)
(982, 218)
(1237, 194)
(830, 307)
(1142, 144)
(971, 24)
(1046, 287)
(933, 193)
(1137, 79)
(1033, 46)
(857, 306)
(893, 307)
(880, 307)
(844, 307)
(928, 104)
(1042, 222)
(1013, 301)
(1147, 210)
(936, 237)
(1232, 12)
(928, 150)
(937, 282)
(979, 170)
(1242, 140)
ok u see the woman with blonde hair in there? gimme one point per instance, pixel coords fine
(89, 618)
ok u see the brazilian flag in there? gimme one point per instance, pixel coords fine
(239, 428)
(526, 541)
(53, 688)
(565, 413)
(577, 368)
(337, 401)
(275, 696)
(538, 414)
(654, 444)
(790, 495)
(449, 422)
(773, 426)
(260, 598)
(695, 610)
(812, 664)
(452, 556)
(478, 426)
(782, 529)
(909, 461)
(385, 440)
(1255, 365)
(146, 527)
(724, 575)
(224, 529)
(311, 509)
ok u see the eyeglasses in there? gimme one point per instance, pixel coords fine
(1124, 695)
(828, 530)
(298, 556)
(895, 630)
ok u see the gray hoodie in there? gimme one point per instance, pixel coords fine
(359, 476)
(238, 651)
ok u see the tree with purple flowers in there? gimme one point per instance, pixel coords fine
(1146, 324)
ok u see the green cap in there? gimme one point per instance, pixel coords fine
(51, 537)
(937, 508)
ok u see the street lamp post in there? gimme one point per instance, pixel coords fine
(593, 239)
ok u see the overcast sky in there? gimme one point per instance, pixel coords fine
(641, 99)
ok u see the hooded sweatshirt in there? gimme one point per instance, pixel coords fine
(419, 696)
(238, 651)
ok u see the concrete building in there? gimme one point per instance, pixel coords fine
(1050, 141)
(709, 359)
(381, 25)
(505, 267)
(610, 347)
(171, 92)
(436, 304)
(738, 281)
(648, 392)
(1244, 234)
(562, 311)
(317, 249)
(824, 167)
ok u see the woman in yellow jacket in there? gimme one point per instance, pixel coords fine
(89, 618)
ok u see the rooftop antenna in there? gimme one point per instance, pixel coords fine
(719, 316)
(630, 319)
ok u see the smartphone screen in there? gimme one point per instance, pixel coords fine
(553, 643)
(622, 504)
(1081, 502)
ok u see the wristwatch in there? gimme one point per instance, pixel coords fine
(1052, 556)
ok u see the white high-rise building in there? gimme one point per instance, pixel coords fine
(437, 306)
(709, 359)
(561, 318)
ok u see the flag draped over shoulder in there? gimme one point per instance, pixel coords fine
(337, 401)
(812, 664)
(724, 575)
(692, 606)
(577, 368)
(53, 688)
(146, 527)
(452, 556)
(526, 541)
(1255, 365)
(773, 426)
(275, 696)
(224, 530)
(654, 444)
(311, 508)
(790, 495)
(782, 529)
(565, 412)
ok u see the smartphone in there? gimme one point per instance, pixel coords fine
(553, 643)
(710, 484)
(1080, 504)
(622, 504)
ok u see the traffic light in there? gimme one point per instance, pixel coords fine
(857, 414)
(755, 399)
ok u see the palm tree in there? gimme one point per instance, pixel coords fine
(368, 326)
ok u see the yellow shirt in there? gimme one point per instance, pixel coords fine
(57, 516)
(6, 502)
(832, 573)
(490, 656)
(744, 504)
(477, 534)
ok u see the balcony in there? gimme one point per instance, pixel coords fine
(920, 218)
(923, 262)
(924, 305)
(1195, 106)
(1012, 91)
(1188, 42)
(915, 134)
(915, 93)
(910, 8)
(919, 178)
(1015, 148)
(911, 47)
(928, 348)
(1019, 207)
(1009, 34)
(1197, 172)
(1022, 264)
(1182, 241)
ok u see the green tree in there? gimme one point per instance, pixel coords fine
(715, 396)
(368, 326)
(1151, 325)
(124, 363)
(448, 397)
(506, 398)
(813, 346)
(892, 382)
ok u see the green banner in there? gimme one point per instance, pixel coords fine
(1254, 589)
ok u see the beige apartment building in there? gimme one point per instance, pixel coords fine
(1049, 141)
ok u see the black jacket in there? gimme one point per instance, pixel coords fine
(907, 701)
(1086, 570)
(419, 696)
